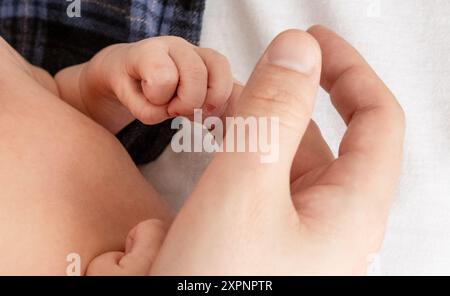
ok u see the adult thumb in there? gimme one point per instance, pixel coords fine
(280, 97)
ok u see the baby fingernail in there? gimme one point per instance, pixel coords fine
(208, 108)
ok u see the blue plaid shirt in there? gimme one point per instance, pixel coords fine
(44, 33)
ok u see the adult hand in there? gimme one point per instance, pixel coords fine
(307, 213)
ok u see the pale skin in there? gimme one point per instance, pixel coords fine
(67, 184)
(311, 213)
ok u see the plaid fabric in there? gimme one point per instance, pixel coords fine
(46, 36)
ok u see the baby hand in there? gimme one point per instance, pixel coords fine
(163, 77)
(141, 247)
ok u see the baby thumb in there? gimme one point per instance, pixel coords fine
(279, 99)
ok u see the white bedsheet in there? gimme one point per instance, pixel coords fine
(408, 44)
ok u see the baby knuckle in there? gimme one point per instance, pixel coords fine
(145, 46)
(197, 73)
(215, 55)
(158, 225)
(165, 74)
(144, 115)
(175, 40)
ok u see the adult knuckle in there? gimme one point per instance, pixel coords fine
(283, 100)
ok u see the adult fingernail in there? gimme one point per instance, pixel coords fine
(296, 51)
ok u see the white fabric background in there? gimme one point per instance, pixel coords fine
(408, 44)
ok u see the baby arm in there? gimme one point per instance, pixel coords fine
(151, 80)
